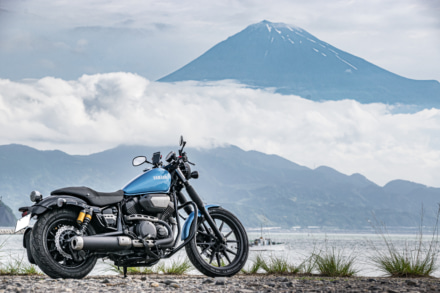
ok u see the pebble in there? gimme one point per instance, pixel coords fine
(195, 284)
(220, 281)
(174, 285)
(168, 282)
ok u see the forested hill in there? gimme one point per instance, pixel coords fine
(7, 218)
(259, 188)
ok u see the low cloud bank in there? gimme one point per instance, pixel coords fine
(101, 111)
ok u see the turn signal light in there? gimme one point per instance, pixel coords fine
(194, 174)
(36, 196)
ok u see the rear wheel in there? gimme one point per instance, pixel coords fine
(212, 257)
(50, 245)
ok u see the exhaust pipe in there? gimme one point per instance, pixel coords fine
(96, 243)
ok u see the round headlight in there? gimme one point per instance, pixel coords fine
(36, 196)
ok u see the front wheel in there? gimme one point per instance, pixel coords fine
(51, 249)
(209, 255)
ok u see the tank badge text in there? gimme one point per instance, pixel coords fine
(165, 177)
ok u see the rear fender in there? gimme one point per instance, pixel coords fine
(27, 233)
(190, 219)
(50, 202)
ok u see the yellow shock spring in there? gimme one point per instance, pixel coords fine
(81, 216)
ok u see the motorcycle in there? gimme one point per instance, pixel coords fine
(134, 227)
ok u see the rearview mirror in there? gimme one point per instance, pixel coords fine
(139, 160)
(181, 140)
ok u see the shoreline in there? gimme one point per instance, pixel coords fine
(238, 283)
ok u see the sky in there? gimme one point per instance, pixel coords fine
(402, 36)
(62, 88)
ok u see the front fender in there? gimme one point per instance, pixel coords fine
(189, 220)
(51, 201)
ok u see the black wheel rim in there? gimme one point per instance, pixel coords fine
(214, 252)
(64, 244)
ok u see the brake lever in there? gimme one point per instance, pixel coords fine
(190, 163)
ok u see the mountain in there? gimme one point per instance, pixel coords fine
(7, 218)
(293, 61)
(259, 188)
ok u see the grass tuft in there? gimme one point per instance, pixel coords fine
(30, 270)
(135, 270)
(1, 247)
(275, 265)
(417, 259)
(255, 267)
(176, 267)
(308, 264)
(18, 267)
(332, 263)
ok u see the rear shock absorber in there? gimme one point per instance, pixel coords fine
(84, 218)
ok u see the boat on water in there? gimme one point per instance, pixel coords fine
(264, 244)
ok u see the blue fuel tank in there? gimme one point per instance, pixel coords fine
(156, 180)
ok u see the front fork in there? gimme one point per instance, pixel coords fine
(197, 200)
(195, 197)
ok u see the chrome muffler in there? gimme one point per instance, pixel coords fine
(115, 243)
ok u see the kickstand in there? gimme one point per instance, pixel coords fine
(125, 271)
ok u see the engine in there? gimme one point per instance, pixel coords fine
(149, 230)
(142, 211)
(108, 217)
(149, 204)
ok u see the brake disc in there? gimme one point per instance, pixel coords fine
(63, 235)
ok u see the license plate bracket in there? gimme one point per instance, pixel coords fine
(23, 223)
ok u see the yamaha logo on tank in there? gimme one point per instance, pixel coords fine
(164, 177)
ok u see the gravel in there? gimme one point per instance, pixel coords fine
(192, 284)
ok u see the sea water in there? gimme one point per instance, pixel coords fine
(297, 248)
(361, 247)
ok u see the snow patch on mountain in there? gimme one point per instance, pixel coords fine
(337, 56)
(269, 28)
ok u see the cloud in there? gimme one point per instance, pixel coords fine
(101, 111)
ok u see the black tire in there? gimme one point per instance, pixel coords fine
(27, 239)
(52, 261)
(212, 258)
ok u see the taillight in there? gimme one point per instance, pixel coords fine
(25, 213)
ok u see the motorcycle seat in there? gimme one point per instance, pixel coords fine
(91, 196)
